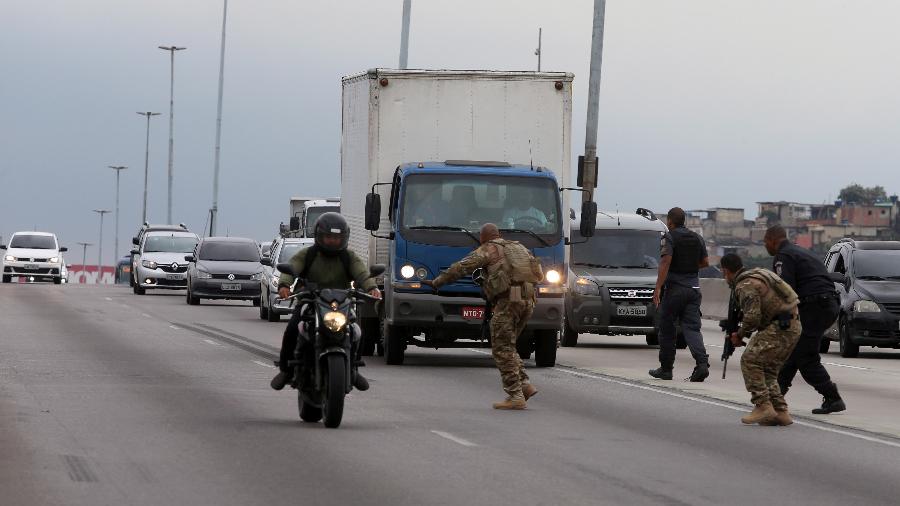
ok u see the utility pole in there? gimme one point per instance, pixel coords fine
(118, 169)
(537, 52)
(148, 114)
(214, 211)
(404, 34)
(171, 50)
(84, 246)
(589, 181)
(101, 212)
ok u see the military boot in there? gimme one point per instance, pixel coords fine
(360, 382)
(782, 417)
(279, 381)
(830, 406)
(511, 403)
(529, 391)
(761, 413)
(661, 373)
(701, 372)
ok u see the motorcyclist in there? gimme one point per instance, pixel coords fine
(326, 264)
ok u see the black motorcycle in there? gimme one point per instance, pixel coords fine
(325, 360)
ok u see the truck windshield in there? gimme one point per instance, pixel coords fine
(447, 208)
(32, 241)
(617, 249)
(313, 214)
(169, 244)
(877, 265)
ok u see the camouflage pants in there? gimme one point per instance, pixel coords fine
(507, 324)
(762, 360)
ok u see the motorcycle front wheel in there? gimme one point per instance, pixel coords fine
(335, 389)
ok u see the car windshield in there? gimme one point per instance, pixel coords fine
(618, 249)
(289, 250)
(169, 244)
(449, 208)
(230, 251)
(32, 241)
(874, 264)
(314, 213)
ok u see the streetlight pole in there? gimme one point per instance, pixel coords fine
(118, 169)
(101, 212)
(589, 163)
(404, 34)
(84, 246)
(537, 52)
(171, 50)
(214, 212)
(148, 114)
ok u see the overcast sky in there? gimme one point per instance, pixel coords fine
(703, 102)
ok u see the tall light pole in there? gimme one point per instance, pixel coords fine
(589, 162)
(148, 114)
(537, 52)
(118, 169)
(101, 212)
(171, 50)
(84, 246)
(214, 211)
(404, 34)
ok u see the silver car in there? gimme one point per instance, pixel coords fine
(283, 249)
(162, 263)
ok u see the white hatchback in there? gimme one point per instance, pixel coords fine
(35, 256)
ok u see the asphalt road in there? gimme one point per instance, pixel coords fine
(109, 398)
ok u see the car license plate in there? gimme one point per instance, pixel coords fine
(631, 310)
(232, 287)
(175, 276)
(473, 313)
(31, 267)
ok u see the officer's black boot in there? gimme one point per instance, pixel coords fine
(701, 372)
(831, 403)
(279, 381)
(661, 373)
(360, 382)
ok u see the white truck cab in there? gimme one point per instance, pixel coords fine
(35, 256)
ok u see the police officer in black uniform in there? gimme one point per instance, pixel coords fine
(683, 254)
(819, 307)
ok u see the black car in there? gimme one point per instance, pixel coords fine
(867, 276)
(224, 268)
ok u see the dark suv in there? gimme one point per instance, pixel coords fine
(867, 276)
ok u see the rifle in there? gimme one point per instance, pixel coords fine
(730, 326)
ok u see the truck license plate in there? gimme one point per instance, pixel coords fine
(473, 313)
(631, 310)
(31, 267)
(233, 287)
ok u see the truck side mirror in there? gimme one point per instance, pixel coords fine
(135, 241)
(373, 211)
(588, 218)
(294, 223)
(63, 249)
(376, 270)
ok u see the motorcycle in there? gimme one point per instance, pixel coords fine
(325, 359)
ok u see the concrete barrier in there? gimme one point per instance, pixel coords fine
(715, 298)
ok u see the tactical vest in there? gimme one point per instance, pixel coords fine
(775, 283)
(686, 250)
(517, 267)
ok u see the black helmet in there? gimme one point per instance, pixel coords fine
(331, 224)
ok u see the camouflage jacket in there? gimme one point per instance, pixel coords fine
(761, 301)
(486, 255)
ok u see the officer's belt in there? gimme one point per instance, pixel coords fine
(816, 297)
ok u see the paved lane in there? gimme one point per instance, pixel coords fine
(100, 404)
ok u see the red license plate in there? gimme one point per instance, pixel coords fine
(473, 313)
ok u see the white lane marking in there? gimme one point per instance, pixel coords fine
(848, 366)
(145, 315)
(257, 362)
(727, 406)
(107, 298)
(473, 350)
(451, 437)
(175, 327)
(714, 346)
(210, 341)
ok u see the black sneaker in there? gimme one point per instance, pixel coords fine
(830, 406)
(360, 382)
(701, 372)
(660, 373)
(279, 381)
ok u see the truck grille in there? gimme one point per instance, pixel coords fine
(631, 293)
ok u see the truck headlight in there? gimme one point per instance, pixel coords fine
(421, 273)
(334, 321)
(585, 286)
(150, 264)
(407, 271)
(9, 258)
(866, 306)
(553, 276)
(203, 275)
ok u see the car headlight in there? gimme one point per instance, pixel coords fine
(334, 321)
(552, 276)
(257, 277)
(407, 271)
(585, 286)
(150, 264)
(866, 306)
(54, 260)
(9, 258)
(203, 275)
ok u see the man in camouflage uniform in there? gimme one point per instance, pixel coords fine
(770, 309)
(511, 272)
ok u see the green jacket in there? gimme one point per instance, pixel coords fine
(328, 271)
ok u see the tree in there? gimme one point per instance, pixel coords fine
(858, 194)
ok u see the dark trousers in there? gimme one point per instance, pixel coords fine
(289, 341)
(816, 316)
(679, 303)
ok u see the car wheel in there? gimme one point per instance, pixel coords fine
(137, 289)
(652, 339)
(263, 312)
(849, 349)
(569, 337)
(394, 344)
(7, 279)
(272, 316)
(191, 300)
(545, 342)
(57, 281)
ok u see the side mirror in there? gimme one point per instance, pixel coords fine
(135, 251)
(135, 241)
(373, 211)
(63, 249)
(588, 218)
(2, 246)
(285, 267)
(294, 223)
(376, 270)
(266, 261)
(189, 258)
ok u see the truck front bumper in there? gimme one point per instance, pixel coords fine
(424, 310)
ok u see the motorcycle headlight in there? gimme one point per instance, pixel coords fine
(407, 271)
(585, 286)
(203, 275)
(54, 260)
(866, 306)
(552, 276)
(150, 264)
(257, 277)
(334, 321)
(9, 258)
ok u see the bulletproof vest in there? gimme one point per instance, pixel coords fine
(686, 250)
(517, 266)
(775, 283)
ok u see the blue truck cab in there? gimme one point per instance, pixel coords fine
(435, 211)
